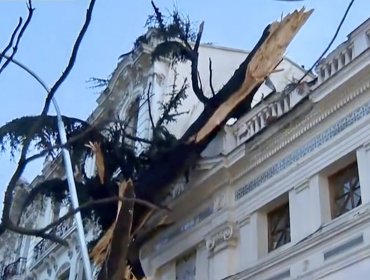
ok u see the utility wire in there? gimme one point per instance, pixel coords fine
(329, 46)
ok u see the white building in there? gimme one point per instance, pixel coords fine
(262, 202)
(281, 199)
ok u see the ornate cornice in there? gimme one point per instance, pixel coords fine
(186, 226)
(311, 145)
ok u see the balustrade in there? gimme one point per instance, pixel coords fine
(60, 231)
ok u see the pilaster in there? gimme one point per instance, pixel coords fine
(221, 246)
(363, 164)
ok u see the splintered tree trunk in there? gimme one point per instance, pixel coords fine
(111, 251)
(234, 98)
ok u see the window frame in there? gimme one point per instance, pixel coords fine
(284, 211)
(354, 189)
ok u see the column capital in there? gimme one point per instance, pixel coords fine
(221, 238)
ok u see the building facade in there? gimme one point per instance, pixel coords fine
(284, 193)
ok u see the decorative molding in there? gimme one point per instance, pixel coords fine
(221, 238)
(244, 221)
(366, 147)
(186, 226)
(70, 254)
(302, 127)
(48, 269)
(310, 146)
(354, 242)
(219, 202)
(304, 185)
(282, 275)
(340, 263)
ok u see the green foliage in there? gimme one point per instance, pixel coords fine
(14, 133)
(174, 33)
(170, 109)
(172, 27)
(174, 50)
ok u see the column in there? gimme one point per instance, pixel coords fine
(309, 207)
(253, 239)
(202, 265)
(363, 165)
(222, 252)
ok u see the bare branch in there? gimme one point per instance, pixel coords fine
(42, 232)
(33, 232)
(210, 77)
(149, 106)
(102, 201)
(200, 82)
(329, 45)
(199, 37)
(159, 17)
(19, 37)
(194, 68)
(10, 44)
(73, 57)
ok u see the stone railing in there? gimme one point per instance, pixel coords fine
(342, 56)
(269, 111)
(40, 249)
(14, 269)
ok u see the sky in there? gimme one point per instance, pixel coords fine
(47, 43)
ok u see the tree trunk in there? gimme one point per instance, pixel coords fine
(115, 265)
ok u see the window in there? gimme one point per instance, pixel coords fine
(131, 120)
(185, 267)
(328, 66)
(342, 59)
(322, 73)
(350, 52)
(345, 190)
(278, 227)
(335, 63)
(55, 211)
(64, 275)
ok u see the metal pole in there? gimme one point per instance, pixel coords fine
(73, 192)
(69, 171)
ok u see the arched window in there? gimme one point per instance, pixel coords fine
(63, 272)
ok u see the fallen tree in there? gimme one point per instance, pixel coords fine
(145, 179)
(234, 98)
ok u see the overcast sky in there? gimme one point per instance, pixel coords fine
(116, 24)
